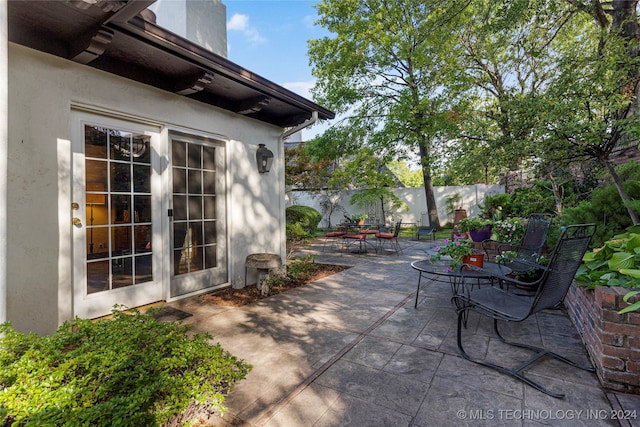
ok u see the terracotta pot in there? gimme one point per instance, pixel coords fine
(476, 260)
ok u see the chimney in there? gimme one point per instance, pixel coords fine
(203, 22)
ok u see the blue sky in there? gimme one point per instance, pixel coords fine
(269, 37)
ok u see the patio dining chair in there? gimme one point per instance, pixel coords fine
(529, 249)
(353, 237)
(391, 238)
(500, 305)
(332, 236)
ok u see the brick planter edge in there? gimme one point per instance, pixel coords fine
(612, 339)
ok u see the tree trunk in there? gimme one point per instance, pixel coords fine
(434, 221)
(557, 194)
(384, 214)
(623, 194)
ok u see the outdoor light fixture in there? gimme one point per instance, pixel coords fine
(264, 157)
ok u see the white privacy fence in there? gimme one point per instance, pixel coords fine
(471, 196)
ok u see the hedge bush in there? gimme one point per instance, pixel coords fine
(605, 208)
(128, 371)
(302, 221)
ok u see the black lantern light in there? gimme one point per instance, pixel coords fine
(264, 158)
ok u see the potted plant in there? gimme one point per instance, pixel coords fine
(479, 229)
(459, 251)
(359, 218)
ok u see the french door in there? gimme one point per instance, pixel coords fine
(117, 236)
(197, 215)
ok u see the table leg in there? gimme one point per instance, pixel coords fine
(418, 290)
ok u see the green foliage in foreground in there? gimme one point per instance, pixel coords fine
(617, 263)
(302, 222)
(129, 371)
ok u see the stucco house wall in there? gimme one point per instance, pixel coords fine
(43, 90)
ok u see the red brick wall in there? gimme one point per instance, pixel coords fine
(612, 339)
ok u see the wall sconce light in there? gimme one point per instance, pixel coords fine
(264, 157)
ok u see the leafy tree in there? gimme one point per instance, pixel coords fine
(304, 172)
(368, 173)
(382, 69)
(507, 58)
(591, 110)
(410, 178)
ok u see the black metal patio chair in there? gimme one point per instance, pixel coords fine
(392, 238)
(529, 249)
(499, 304)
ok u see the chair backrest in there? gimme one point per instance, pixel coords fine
(564, 263)
(397, 229)
(534, 237)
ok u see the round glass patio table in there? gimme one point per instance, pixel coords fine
(440, 271)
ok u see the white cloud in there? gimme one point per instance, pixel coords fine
(301, 88)
(240, 22)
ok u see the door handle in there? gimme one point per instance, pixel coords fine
(76, 221)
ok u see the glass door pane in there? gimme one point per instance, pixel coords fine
(199, 253)
(118, 208)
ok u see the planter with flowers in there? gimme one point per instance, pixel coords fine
(604, 307)
(456, 252)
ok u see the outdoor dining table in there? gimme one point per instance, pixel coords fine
(460, 279)
(359, 233)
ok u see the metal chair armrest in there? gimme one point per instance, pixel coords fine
(506, 278)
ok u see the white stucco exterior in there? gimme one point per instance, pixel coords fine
(43, 92)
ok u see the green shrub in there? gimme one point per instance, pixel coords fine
(307, 217)
(536, 199)
(605, 207)
(496, 206)
(129, 371)
(616, 263)
(521, 203)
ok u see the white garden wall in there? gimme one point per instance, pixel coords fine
(472, 196)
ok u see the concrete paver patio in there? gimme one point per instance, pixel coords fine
(351, 350)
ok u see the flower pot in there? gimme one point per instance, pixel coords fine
(361, 222)
(480, 234)
(476, 260)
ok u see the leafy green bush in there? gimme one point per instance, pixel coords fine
(521, 203)
(495, 205)
(538, 198)
(616, 263)
(605, 207)
(129, 371)
(297, 269)
(307, 217)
